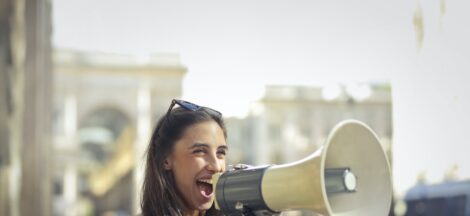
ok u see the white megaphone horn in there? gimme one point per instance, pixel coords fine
(348, 176)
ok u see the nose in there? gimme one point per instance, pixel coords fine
(215, 164)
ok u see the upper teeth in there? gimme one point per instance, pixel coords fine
(208, 181)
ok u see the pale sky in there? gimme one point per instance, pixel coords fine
(232, 49)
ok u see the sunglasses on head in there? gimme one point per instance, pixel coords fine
(192, 107)
(188, 106)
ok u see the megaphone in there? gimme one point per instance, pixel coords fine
(348, 176)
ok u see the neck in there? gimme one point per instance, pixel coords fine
(192, 213)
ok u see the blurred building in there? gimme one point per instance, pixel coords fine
(290, 122)
(105, 106)
(25, 108)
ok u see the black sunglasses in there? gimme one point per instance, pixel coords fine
(193, 107)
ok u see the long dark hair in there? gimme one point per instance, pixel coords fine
(160, 196)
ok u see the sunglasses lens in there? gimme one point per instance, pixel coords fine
(212, 112)
(188, 105)
(193, 107)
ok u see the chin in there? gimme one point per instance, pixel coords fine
(205, 206)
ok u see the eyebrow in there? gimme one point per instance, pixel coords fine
(197, 145)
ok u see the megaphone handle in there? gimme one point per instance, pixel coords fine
(243, 212)
(249, 212)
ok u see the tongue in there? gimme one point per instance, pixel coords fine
(206, 189)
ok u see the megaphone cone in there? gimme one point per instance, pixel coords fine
(349, 175)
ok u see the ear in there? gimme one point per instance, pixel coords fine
(167, 164)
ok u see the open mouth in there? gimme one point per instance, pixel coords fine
(205, 187)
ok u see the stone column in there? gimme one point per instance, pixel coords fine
(4, 119)
(36, 196)
(262, 151)
(143, 136)
(70, 181)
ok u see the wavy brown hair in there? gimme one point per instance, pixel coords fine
(160, 196)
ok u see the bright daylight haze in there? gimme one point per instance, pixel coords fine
(232, 49)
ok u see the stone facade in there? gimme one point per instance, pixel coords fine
(105, 107)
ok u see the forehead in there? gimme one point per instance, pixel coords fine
(208, 132)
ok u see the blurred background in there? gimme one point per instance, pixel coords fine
(82, 84)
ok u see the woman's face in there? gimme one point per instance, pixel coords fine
(198, 155)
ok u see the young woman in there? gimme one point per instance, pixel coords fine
(187, 147)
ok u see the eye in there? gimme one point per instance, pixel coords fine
(222, 152)
(199, 151)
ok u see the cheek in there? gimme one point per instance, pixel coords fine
(186, 170)
(223, 164)
(183, 178)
